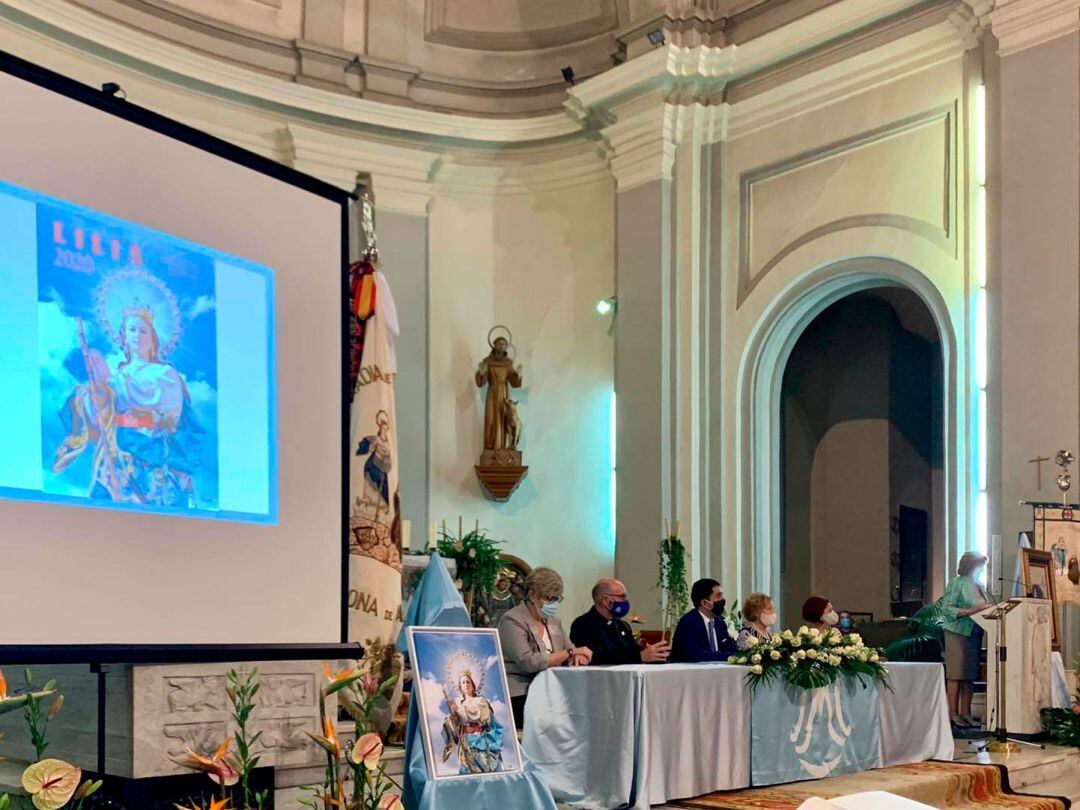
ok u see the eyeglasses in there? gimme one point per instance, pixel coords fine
(555, 599)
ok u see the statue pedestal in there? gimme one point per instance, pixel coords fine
(501, 480)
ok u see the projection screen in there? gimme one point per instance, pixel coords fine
(171, 345)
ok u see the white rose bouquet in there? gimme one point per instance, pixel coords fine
(810, 659)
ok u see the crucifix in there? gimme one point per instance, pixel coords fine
(1037, 461)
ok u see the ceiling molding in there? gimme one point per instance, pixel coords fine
(438, 31)
(400, 175)
(673, 95)
(1022, 24)
(156, 57)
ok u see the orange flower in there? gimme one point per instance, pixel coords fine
(337, 682)
(215, 804)
(367, 751)
(221, 766)
(328, 741)
(9, 703)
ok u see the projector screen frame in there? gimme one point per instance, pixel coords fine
(140, 116)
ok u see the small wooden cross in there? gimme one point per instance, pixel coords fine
(1037, 461)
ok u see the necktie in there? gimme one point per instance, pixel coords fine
(712, 635)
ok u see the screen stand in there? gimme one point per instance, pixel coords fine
(101, 670)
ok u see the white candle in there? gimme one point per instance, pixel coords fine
(406, 534)
(432, 539)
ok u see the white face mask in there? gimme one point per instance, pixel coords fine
(768, 619)
(830, 618)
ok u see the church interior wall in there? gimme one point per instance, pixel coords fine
(879, 172)
(811, 191)
(1039, 279)
(537, 263)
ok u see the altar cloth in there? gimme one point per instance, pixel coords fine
(636, 736)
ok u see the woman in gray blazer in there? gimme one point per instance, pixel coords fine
(533, 639)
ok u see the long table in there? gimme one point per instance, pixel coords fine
(637, 736)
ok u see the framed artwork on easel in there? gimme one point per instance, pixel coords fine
(1039, 584)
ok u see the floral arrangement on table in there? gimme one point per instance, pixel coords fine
(1063, 725)
(674, 593)
(811, 659)
(358, 690)
(477, 561)
(51, 784)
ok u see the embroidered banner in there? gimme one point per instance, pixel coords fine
(375, 614)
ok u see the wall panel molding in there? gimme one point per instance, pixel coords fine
(941, 230)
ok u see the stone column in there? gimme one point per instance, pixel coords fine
(1037, 277)
(642, 159)
(661, 158)
(403, 249)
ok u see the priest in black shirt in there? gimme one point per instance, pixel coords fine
(604, 632)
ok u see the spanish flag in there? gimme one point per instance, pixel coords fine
(363, 290)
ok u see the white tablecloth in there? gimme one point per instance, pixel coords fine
(642, 735)
(915, 715)
(639, 735)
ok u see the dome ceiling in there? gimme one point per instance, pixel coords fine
(481, 57)
(497, 25)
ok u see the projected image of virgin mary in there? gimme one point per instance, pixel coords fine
(134, 414)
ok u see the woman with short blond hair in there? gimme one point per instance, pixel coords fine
(533, 639)
(963, 598)
(759, 615)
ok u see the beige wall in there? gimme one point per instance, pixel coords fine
(850, 517)
(862, 191)
(537, 263)
(1038, 279)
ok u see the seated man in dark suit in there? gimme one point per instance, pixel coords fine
(604, 632)
(701, 634)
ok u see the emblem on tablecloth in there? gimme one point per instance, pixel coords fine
(820, 705)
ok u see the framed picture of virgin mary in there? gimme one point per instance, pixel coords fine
(464, 702)
(1039, 583)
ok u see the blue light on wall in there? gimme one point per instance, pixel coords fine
(614, 477)
(981, 376)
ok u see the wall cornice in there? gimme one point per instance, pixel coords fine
(1022, 24)
(149, 54)
(644, 108)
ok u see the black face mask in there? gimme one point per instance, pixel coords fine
(718, 606)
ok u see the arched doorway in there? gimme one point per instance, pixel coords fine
(758, 515)
(862, 512)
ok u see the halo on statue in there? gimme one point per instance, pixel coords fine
(509, 340)
(134, 289)
(461, 664)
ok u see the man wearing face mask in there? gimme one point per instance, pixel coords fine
(702, 635)
(604, 632)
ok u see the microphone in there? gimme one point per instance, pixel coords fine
(1027, 591)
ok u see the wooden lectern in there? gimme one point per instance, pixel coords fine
(1017, 667)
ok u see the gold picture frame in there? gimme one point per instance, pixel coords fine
(1039, 582)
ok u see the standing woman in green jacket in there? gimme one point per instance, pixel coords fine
(964, 596)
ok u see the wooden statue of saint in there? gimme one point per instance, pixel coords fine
(502, 426)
